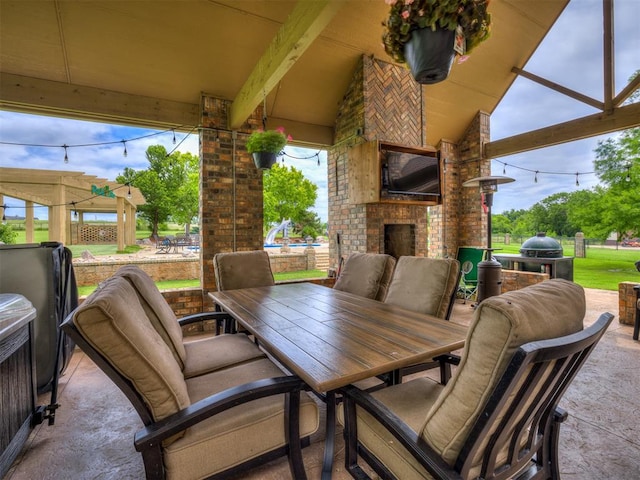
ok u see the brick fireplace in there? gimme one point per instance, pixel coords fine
(384, 103)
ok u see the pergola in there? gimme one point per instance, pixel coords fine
(71, 193)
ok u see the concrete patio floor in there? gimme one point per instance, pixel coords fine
(93, 434)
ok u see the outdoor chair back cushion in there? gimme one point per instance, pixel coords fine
(195, 357)
(367, 275)
(242, 270)
(157, 309)
(424, 285)
(115, 324)
(501, 325)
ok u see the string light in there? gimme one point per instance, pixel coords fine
(628, 177)
(174, 137)
(535, 178)
(4, 210)
(125, 148)
(540, 172)
(577, 180)
(504, 169)
(66, 157)
(129, 190)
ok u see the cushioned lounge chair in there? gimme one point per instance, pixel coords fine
(498, 417)
(206, 426)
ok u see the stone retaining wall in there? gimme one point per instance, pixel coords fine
(160, 269)
(515, 279)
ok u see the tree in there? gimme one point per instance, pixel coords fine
(617, 165)
(551, 215)
(500, 224)
(167, 186)
(188, 194)
(287, 195)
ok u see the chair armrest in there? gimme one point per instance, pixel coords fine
(422, 452)
(560, 415)
(449, 358)
(152, 435)
(199, 317)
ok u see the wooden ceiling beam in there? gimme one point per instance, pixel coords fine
(622, 118)
(559, 88)
(297, 33)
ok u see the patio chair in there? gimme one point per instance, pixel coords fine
(236, 270)
(498, 417)
(209, 426)
(367, 275)
(469, 258)
(425, 285)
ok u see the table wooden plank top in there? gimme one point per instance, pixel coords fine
(332, 338)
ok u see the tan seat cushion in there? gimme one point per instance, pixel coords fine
(242, 270)
(157, 309)
(209, 354)
(115, 324)
(410, 401)
(238, 434)
(367, 275)
(424, 285)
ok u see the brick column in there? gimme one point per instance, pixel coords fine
(230, 188)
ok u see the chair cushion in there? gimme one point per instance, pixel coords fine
(115, 324)
(424, 285)
(157, 309)
(242, 270)
(501, 324)
(367, 275)
(410, 401)
(209, 354)
(238, 434)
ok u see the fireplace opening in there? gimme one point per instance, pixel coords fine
(399, 240)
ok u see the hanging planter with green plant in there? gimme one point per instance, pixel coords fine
(265, 145)
(428, 34)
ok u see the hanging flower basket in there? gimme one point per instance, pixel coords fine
(266, 145)
(264, 160)
(429, 54)
(451, 27)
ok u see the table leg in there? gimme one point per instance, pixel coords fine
(330, 436)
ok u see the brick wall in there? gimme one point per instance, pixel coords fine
(627, 302)
(515, 280)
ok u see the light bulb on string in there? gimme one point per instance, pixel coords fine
(4, 210)
(504, 169)
(129, 190)
(124, 142)
(174, 137)
(318, 157)
(535, 178)
(577, 180)
(66, 157)
(628, 177)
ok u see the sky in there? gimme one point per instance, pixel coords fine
(570, 55)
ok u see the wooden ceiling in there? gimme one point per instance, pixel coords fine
(147, 63)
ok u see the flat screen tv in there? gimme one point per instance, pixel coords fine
(410, 173)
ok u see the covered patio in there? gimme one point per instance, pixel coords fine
(318, 69)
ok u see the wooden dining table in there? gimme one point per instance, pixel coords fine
(331, 338)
